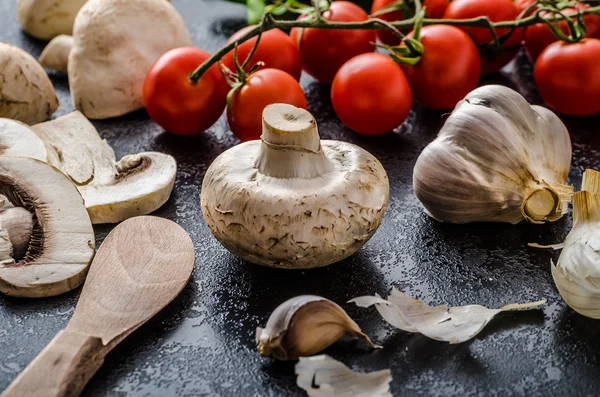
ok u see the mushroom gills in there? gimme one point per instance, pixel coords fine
(60, 244)
(113, 191)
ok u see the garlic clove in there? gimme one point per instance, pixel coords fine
(447, 324)
(322, 376)
(303, 326)
(496, 159)
(577, 272)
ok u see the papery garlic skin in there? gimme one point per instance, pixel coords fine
(577, 273)
(497, 159)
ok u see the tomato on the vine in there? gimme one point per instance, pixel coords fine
(371, 95)
(523, 4)
(173, 102)
(496, 11)
(539, 36)
(324, 51)
(448, 70)
(568, 77)
(262, 88)
(276, 49)
(433, 9)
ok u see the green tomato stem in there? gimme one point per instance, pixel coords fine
(268, 22)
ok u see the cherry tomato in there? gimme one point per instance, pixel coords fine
(324, 51)
(496, 11)
(276, 49)
(523, 4)
(173, 102)
(448, 70)
(433, 9)
(539, 36)
(568, 77)
(262, 88)
(370, 94)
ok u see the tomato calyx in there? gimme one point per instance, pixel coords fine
(410, 50)
(238, 79)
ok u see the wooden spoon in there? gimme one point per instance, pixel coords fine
(142, 265)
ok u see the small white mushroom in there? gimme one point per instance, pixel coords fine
(45, 19)
(115, 42)
(291, 200)
(113, 191)
(56, 54)
(26, 92)
(61, 242)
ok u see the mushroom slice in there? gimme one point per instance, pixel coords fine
(62, 241)
(45, 19)
(26, 92)
(115, 42)
(113, 191)
(17, 139)
(291, 200)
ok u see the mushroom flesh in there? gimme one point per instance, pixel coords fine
(45, 19)
(46, 237)
(115, 42)
(113, 191)
(26, 92)
(290, 200)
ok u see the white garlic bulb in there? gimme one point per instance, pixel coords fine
(496, 159)
(577, 273)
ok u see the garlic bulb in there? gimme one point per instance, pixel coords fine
(303, 326)
(497, 159)
(577, 273)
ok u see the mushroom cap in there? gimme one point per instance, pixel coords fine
(62, 242)
(115, 44)
(45, 19)
(17, 139)
(26, 92)
(294, 223)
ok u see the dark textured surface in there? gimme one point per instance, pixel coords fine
(203, 343)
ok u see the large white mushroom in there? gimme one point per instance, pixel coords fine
(113, 190)
(115, 42)
(46, 19)
(46, 237)
(291, 200)
(26, 92)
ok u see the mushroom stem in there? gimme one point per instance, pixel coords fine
(291, 147)
(18, 222)
(56, 54)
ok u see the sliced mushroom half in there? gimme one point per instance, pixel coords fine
(61, 242)
(17, 139)
(26, 92)
(113, 191)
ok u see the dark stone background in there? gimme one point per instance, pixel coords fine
(203, 343)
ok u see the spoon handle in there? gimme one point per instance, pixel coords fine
(62, 369)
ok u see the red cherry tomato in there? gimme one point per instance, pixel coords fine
(262, 88)
(173, 102)
(523, 4)
(276, 49)
(496, 11)
(433, 9)
(371, 95)
(324, 51)
(539, 36)
(448, 70)
(568, 77)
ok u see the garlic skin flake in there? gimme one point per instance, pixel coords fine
(303, 326)
(577, 272)
(322, 376)
(496, 159)
(447, 324)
